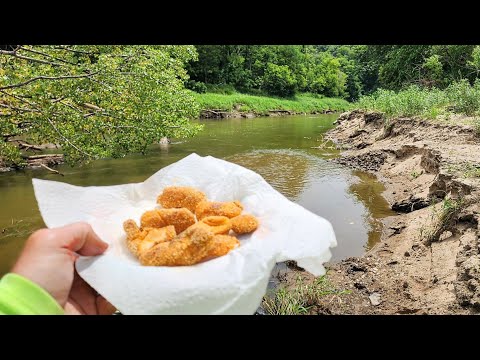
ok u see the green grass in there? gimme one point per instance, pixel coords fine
(302, 103)
(445, 216)
(301, 298)
(458, 98)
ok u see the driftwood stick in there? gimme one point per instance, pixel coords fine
(51, 170)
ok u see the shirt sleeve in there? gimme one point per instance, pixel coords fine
(20, 296)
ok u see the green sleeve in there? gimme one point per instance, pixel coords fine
(20, 296)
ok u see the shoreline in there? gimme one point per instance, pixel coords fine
(222, 114)
(52, 160)
(428, 259)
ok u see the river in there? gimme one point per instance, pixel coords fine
(289, 152)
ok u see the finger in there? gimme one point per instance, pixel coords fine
(83, 295)
(104, 307)
(72, 308)
(81, 238)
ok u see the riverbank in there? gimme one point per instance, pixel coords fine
(249, 106)
(428, 261)
(216, 106)
(41, 161)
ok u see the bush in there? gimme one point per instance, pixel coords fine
(460, 97)
(464, 97)
(278, 80)
(197, 86)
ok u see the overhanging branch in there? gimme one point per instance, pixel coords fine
(47, 78)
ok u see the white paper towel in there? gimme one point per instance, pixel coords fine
(231, 284)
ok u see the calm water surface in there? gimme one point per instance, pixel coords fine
(284, 150)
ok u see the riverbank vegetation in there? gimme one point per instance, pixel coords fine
(262, 105)
(107, 101)
(92, 101)
(347, 71)
(458, 98)
(302, 297)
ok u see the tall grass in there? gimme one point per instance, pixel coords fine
(459, 98)
(301, 298)
(306, 103)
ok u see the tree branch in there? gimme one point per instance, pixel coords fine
(75, 51)
(47, 55)
(24, 145)
(52, 170)
(66, 139)
(14, 53)
(47, 78)
(51, 124)
(18, 108)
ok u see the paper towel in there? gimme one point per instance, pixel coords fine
(231, 284)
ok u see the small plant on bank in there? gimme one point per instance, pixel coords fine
(415, 174)
(471, 171)
(301, 299)
(444, 218)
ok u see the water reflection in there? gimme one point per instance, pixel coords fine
(283, 150)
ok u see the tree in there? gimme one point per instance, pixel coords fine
(278, 80)
(94, 101)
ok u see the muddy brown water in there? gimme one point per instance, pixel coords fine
(284, 150)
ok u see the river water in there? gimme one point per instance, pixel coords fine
(289, 152)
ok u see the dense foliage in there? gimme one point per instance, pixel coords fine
(331, 70)
(273, 69)
(107, 101)
(459, 97)
(94, 101)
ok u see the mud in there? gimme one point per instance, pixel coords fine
(423, 166)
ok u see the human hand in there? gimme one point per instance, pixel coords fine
(48, 259)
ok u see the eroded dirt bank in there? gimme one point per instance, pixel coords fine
(428, 261)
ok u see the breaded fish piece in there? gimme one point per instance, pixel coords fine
(155, 236)
(221, 245)
(140, 240)
(188, 248)
(216, 208)
(218, 224)
(152, 218)
(180, 218)
(180, 196)
(158, 218)
(244, 224)
(134, 235)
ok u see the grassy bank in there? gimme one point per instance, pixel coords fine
(303, 297)
(459, 98)
(262, 104)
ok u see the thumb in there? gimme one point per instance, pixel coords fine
(80, 238)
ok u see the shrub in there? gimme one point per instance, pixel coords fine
(464, 97)
(278, 80)
(197, 86)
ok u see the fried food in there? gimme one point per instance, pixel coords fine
(216, 208)
(244, 224)
(140, 240)
(158, 218)
(180, 218)
(217, 224)
(156, 243)
(152, 218)
(188, 248)
(180, 196)
(221, 245)
(155, 236)
(134, 235)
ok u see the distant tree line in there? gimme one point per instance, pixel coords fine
(346, 71)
